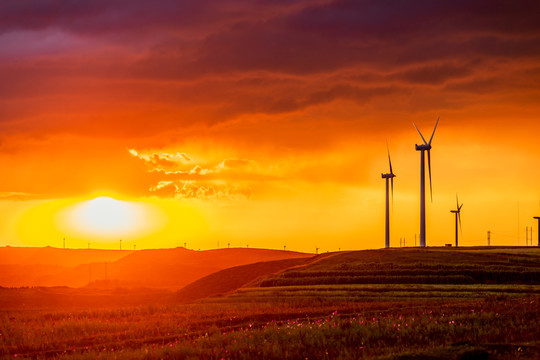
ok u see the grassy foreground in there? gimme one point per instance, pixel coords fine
(313, 321)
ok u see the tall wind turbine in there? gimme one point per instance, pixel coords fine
(458, 217)
(390, 176)
(426, 146)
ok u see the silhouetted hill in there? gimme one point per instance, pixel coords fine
(233, 278)
(150, 276)
(156, 268)
(55, 256)
(49, 266)
(475, 265)
(175, 268)
(511, 265)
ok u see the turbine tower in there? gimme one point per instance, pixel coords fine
(388, 176)
(458, 217)
(537, 218)
(426, 146)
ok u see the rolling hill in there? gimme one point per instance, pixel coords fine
(230, 279)
(48, 255)
(401, 272)
(157, 268)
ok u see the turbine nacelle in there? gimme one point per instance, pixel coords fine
(422, 147)
(391, 174)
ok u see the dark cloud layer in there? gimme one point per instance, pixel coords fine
(159, 73)
(196, 43)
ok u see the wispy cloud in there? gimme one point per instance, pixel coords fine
(15, 196)
(201, 190)
(228, 179)
(163, 159)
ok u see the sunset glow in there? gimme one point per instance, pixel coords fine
(265, 123)
(107, 216)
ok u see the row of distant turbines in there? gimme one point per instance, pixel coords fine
(426, 146)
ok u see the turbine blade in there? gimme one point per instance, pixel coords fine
(420, 133)
(460, 206)
(389, 160)
(429, 169)
(437, 123)
(457, 203)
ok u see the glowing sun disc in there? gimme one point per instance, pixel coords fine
(105, 216)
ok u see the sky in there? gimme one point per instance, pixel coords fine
(265, 123)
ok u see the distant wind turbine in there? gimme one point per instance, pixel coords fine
(537, 218)
(388, 176)
(426, 146)
(458, 217)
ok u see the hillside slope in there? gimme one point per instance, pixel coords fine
(157, 268)
(48, 255)
(233, 278)
(418, 266)
(49, 266)
(372, 273)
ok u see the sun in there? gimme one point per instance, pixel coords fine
(107, 217)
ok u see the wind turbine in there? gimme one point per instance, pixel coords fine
(388, 176)
(458, 217)
(426, 146)
(537, 218)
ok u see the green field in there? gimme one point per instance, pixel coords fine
(491, 318)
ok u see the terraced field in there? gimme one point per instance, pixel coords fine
(377, 304)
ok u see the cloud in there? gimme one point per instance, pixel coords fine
(162, 159)
(201, 190)
(228, 169)
(435, 74)
(235, 164)
(228, 179)
(18, 196)
(290, 76)
(138, 70)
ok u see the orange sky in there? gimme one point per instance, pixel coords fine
(265, 122)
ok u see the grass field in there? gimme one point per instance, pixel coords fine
(482, 320)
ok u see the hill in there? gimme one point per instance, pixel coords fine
(47, 255)
(418, 266)
(157, 268)
(374, 273)
(230, 279)
(49, 266)
(384, 304)
(175, 268)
